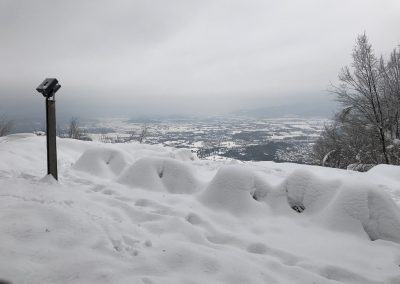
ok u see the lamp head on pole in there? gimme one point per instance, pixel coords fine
(48, 87)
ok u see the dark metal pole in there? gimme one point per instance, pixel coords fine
(51, 137)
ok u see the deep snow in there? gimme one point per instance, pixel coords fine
(131, 213)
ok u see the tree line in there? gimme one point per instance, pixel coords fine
(5, 126)
(366, 131)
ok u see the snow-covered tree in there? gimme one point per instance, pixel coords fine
(366, 130)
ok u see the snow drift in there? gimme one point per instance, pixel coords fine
(349, 206)
(102, 162)
(135, 213)
(161, 175)
(234, 189)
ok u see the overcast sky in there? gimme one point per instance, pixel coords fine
(182, 56)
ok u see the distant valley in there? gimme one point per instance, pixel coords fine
(220, 137)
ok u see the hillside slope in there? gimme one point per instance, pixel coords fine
(131, 213)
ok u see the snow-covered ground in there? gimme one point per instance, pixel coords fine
(132, 213)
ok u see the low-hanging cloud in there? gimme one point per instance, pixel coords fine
(183, 56)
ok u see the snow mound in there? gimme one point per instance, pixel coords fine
(183, 155)
(360, 207)
(348, 206)
(235, 189)
(102, 162)
(305, 192)
(161, 174)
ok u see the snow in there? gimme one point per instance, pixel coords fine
(161, 175)
(133, 213)
(102, 162)
(232, 189)
(388, 171)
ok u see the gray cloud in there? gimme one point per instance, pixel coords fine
(183, 56)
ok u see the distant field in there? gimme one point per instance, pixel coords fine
(249, 139)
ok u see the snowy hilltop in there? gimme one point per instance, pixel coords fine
(134, 213)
